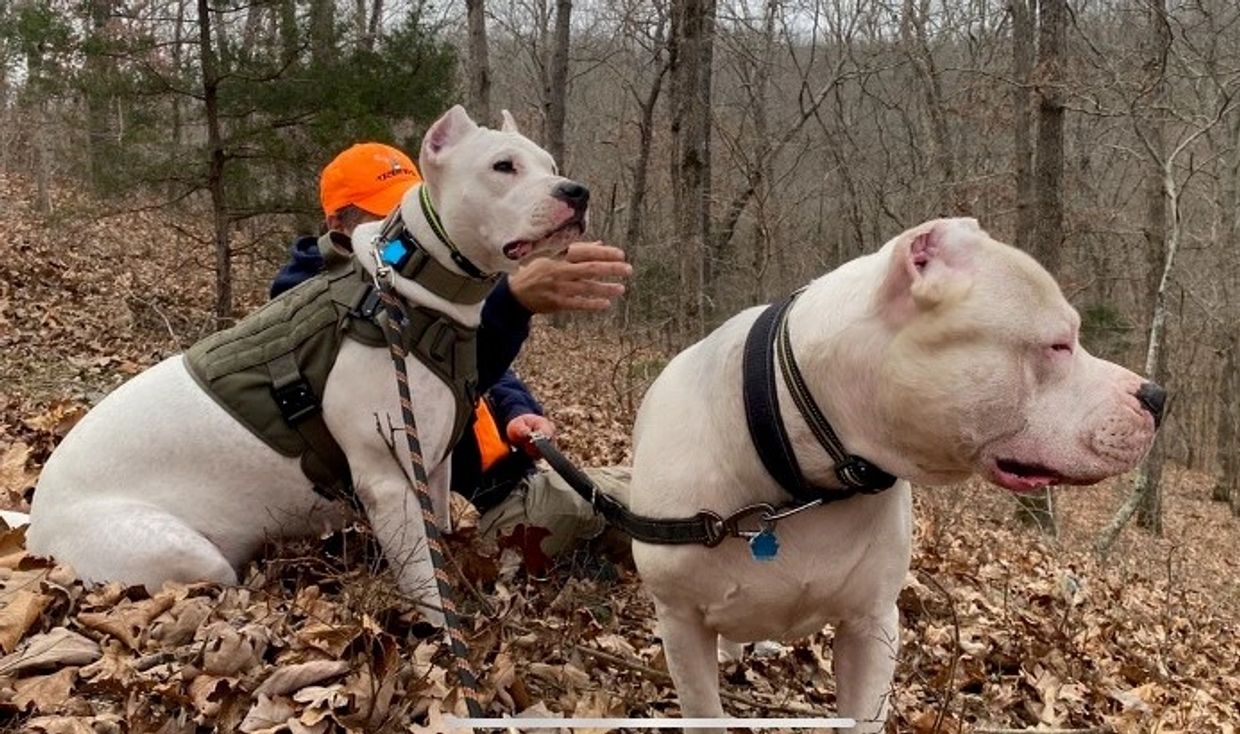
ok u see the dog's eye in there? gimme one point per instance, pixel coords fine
(1061, 348)
(504, 166)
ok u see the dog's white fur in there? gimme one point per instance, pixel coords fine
(934, 359)
(159, 483)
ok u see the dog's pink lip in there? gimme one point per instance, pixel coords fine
(1022, 477)
(518, 249)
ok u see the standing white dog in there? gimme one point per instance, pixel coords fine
(942, 355)
(159, 482)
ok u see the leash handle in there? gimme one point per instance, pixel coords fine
(571, 473)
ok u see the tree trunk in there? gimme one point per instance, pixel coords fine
(99, 69)
(1052, 20)
(557, 85)
(1022, 123)
(1228, 487)
(692, 35)
(372, 26)
(1149, 478)
(1158, 42)
(322, 31)
(479, 66)
(641, 165)
(215, 168)
(1038, 509)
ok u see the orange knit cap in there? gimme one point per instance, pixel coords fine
(370, 176)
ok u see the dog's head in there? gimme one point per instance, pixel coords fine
(985, 373)
(499, 196)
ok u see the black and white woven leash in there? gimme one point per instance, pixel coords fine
(434, 538)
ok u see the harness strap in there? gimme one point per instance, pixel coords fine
(325, 464)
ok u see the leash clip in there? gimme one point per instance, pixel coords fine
(732, 523)
(383, 272)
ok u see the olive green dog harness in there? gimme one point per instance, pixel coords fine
(269, 370)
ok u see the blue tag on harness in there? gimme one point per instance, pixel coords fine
(764, 546)
(394, 253)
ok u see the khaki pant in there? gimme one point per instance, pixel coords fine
(545, 500)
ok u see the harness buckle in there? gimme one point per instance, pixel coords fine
(296, 401)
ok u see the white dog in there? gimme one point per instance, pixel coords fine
(159, 483)
(942, 355)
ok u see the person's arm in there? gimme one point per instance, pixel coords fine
(503, 329)
(577, 282)
(509, 398)
(305, 262)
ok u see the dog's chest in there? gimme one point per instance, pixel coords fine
(832, 564)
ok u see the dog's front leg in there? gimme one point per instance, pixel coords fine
(397, 521)
(865, 659)
(690, 648)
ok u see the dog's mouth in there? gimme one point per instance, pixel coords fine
(556, 239)
(1021, 477)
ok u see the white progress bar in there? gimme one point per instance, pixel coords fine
(507, 722)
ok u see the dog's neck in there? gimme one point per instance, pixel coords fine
(415, 222)
(837, 345)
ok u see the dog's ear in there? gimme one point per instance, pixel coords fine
(510, 123)
(446, 132)
(932, 264)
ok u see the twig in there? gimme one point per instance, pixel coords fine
(650, 672)
(951, 670)
(1087, 730)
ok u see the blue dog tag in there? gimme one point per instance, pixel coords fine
(764, 546)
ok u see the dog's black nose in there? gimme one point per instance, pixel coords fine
(573, 194)
(1154, 398)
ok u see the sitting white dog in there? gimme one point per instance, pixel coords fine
(159, 482)
(942, 355)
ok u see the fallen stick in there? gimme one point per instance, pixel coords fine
(650, 672)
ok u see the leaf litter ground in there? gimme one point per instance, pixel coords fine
(1002, 629)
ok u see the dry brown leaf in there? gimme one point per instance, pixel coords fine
(13, 547)
(57, 647)
(14, 476)
(465, 517)
(57, 419)
(179, 624)
(61, 725)
(128, 621)
(598, 704)
(330, 638)
(289, 678)
(229, 651)
(19, 610)
(208, 691)
(268, 715)
(45, 692)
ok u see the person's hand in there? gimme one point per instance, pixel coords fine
(520, 428)
(577, 282)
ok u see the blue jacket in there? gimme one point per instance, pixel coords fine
(504, 328)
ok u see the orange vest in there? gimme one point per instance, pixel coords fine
(491, 444)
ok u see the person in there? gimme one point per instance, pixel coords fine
(493, 465)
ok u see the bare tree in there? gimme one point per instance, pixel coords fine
(1022, 123)
(215, 168)
(1038, 509)
(556, 93)
(1049, 76)
(691, 47)
(479, 65)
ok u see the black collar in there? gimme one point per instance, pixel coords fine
(768, 338)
